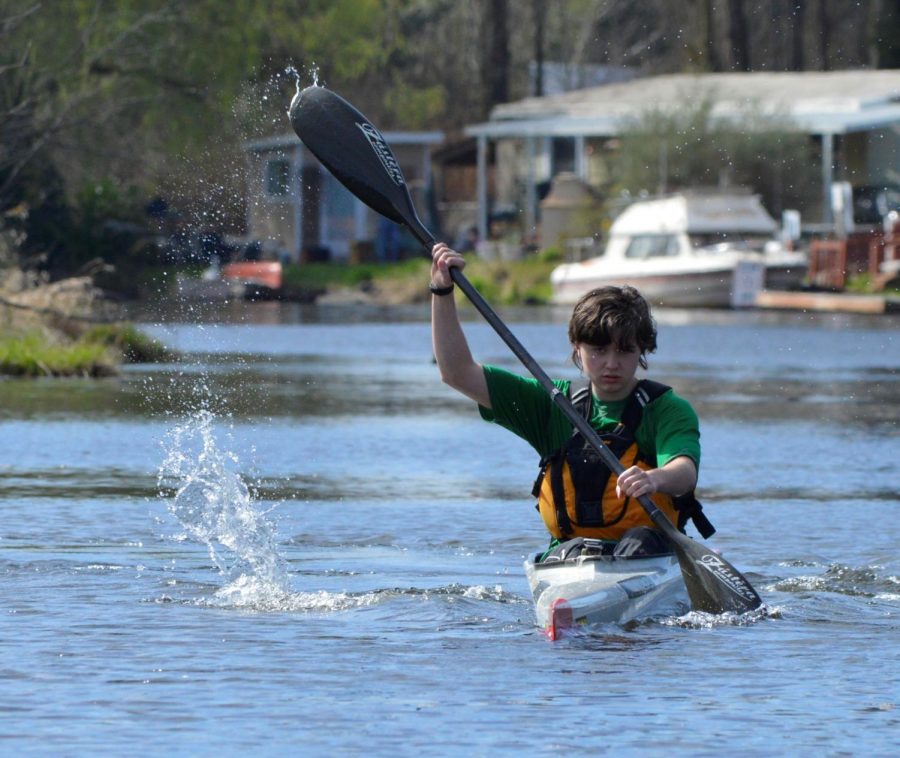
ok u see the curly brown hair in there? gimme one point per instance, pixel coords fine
(613, 314)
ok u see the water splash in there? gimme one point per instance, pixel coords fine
(702, 620)
(295, 75)
(214, 506)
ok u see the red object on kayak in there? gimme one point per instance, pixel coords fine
(561, 618)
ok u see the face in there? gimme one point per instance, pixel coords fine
(611, 369)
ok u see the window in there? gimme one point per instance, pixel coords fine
(652, 246)
(729, 240)
(278, 177)
(563, 155)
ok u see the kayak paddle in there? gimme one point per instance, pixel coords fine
(358, 156)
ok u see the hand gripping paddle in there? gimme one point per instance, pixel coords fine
(358, 156)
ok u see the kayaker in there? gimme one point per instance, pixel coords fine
(654, 432)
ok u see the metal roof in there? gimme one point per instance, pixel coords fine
(818, 102)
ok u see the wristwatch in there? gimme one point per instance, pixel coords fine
(440, 291)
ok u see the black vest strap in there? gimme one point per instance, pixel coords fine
(690, 509)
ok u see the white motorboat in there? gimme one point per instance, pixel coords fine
(600, 589)
(689, 249)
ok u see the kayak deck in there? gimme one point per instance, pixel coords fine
(591, 589)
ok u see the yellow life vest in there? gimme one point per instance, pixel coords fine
(577, 492)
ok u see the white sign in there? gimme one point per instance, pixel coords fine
(748, 279)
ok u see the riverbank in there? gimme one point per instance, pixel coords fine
(66, 328)
(520, 282)
(523, 282)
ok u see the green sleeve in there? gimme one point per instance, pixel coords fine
(521, 405)
(669, 429)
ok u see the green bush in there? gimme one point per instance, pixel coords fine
(550, 255)
(525, 281)
(34, 354)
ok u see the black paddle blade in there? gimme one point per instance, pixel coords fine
(357, 154)
(713, 584)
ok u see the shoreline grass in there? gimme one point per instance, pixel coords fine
(525, 281)
(35, 355)
(309, 280)
(96, 354)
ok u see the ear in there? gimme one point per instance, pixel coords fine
(576, 356)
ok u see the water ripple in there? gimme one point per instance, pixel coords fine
(865, 581)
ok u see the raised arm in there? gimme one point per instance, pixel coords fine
(451, 350)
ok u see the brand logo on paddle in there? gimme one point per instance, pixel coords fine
(383, 152)
(724, 573)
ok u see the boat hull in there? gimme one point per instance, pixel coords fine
(596, 590)
(688, 289)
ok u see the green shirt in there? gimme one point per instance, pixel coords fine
(669, 426)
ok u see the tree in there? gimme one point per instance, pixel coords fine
(664, 151)
(156, 97)
(737, 36)
(538, 19)
(796, 58)
(89, 98)
(496, 52)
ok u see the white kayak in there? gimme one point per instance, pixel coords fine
(602, 589)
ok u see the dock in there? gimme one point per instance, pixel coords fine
(838, 302)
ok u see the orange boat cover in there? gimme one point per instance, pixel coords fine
(265, 273)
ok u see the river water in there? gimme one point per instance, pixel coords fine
(296, 539)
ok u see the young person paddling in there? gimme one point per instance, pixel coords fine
(653, 432)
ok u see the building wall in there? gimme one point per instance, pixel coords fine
(271, 217)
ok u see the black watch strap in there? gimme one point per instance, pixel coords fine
(440, 291)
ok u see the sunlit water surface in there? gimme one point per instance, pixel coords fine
(296, 539)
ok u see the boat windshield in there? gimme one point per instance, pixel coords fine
(730, 240)
(652, 246)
